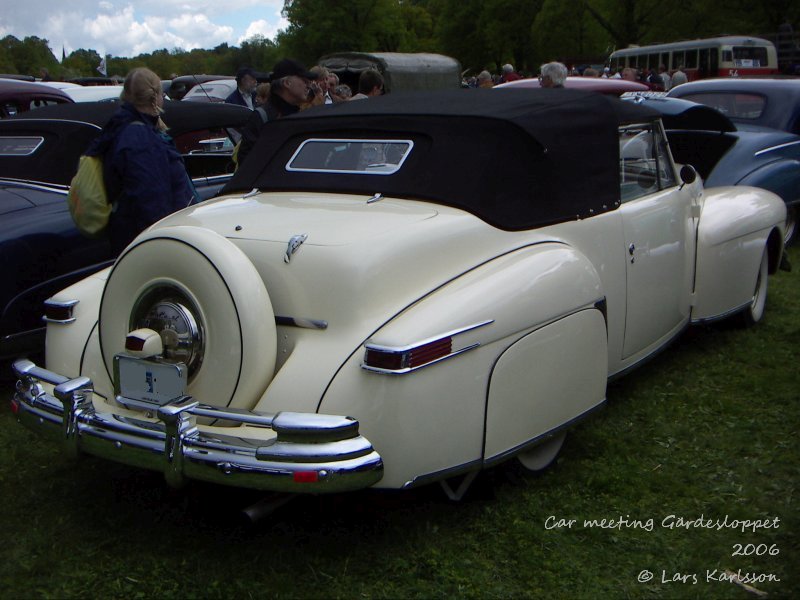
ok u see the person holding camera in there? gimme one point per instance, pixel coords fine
(290, 86)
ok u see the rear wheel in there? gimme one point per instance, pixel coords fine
(755, 311)
(542, 455)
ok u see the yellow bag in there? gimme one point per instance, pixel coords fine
(87, 198)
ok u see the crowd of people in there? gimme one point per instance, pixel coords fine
(553, 74)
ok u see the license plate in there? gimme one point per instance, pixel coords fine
(148, 381)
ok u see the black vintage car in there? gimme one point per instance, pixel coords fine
(40, 249)
(18, 96)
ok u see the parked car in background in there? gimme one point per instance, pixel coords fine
(17, 96)
(610, 86)
(211, 91)
(725, 153)
(87, 81)
(371, 261)
(60, 85)
(771, 103)
(180, 86)
(40, 249)
(95, 93)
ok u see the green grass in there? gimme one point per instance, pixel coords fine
(707, 428)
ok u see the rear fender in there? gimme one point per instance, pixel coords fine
(736, 225)
(432, 420)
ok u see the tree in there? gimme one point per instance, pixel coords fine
(28, 56)
(566, 31)
(319, 27)
(259, 52)
(81, 62)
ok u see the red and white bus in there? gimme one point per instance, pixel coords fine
(728, 56)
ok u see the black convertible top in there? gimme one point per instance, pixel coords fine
(67, 130)
(516, 158)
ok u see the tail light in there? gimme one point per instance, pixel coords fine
(399, 360)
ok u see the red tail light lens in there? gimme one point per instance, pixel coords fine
(427, 353)
(306, 477)
(399, 361)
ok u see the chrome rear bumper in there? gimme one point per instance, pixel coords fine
(312, 453)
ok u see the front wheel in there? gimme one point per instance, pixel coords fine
(755, 311)
(791, 226)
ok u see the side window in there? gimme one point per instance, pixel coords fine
(644, 161)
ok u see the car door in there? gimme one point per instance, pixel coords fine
(659, 237)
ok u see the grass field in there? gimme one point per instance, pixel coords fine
(707, 429)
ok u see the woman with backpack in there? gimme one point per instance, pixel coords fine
(143, 171)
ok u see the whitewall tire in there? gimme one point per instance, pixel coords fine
(755, 310)
(226, 295)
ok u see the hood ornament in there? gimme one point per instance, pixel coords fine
(294, 246)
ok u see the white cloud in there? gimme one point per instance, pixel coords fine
(263, 28)
(127, 28)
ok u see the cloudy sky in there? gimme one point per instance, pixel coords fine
(128, 28)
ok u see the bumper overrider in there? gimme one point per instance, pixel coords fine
(312, 453)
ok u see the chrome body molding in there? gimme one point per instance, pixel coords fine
(773, 148)
(37, 185)
(311, 453)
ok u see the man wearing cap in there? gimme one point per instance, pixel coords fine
(290, 84)
(245, 92)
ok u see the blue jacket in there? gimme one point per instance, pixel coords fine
(144, 174)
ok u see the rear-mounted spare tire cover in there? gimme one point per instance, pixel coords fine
(234, 310)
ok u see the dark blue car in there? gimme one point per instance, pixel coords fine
(725, 153)
(773, 103)
(40, 249)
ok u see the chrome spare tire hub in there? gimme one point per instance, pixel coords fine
(168, 311)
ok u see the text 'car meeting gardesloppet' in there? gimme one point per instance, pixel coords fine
(399, 291)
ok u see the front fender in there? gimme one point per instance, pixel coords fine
(735, 226)
(432, 420)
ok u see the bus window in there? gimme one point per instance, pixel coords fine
(677, 59)
(691, 59)
(652, 61)
(664, 60)
(714, 62)
(703, 65)
(727, 56)
(749, 56)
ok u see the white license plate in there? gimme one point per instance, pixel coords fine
(148, 381)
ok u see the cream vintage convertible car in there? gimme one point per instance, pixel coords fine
(398, 291)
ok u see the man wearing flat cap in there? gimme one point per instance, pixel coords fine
(245, 92)
(290, 84)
